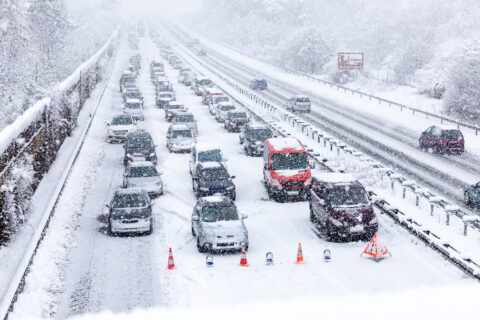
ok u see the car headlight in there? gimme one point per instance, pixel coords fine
(308, 181)
(203, 189)
(173, 144)
(230, 187)
(336, 222)
(373, 221)
(129, 155)
(231, 123)
(276, 183)
(169, 114)
(152, 154)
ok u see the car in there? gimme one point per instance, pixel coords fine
(130, 211)
(134, 108)
(236, 120)
(180, 138)
(143, 175)
(204, 152)
(128, 86)
(188, 78)
(286, 169)
(299, 103)
(442, 140)
(258, 84)
(186, 118)
(201, 82)
(164, 97)
(218, 226)
(133, 94)
(211, 178)
(340, 207)
(126, 78)
(209, 93)
(253, 137)
(222, 109)
(164, 86)
(139, 146)
(120, 127)
(172, 107)
(156, 64)
(471, 195)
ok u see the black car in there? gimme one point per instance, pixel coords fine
(211, 178)
(235, 120)
(139, 146)
(253, 137)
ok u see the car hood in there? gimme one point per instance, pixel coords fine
(144, 181)
(290, 175)
(224, 228)
(130, 213)
(140, 151)
(182, 141)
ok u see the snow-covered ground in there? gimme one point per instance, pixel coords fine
(89, 271)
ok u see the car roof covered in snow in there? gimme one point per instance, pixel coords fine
(174, 103)
(202, 78)
(179, 127)
(210, 165)
(218, 199)
(133, 101)
(257, 127)
(165, 92)
(225, 103)
(201, 147)
(130, 191)
(336, 178)
(280, 144)
(141, 164)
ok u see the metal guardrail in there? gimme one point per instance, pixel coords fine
(430, 238)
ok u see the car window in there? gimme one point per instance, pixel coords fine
(133, 105)
(289, 161)
(303, 99)
(122, 121)
(259, 134)
(133, 200)
(453, 134)
(214, 214)
(184, 118)
(436, 131)
(138, 172)
(347, 196)
(215, 174)
(182, 134)
(210, 155)
(239, 115)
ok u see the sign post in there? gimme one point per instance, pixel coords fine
(350, 61)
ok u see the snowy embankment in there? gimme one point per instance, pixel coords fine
(425, 211)
(15, 257)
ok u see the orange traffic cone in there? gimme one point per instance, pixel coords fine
(243, 258)
(375, 249)
(299, 254)
(171, 263)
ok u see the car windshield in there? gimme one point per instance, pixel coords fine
(134, 95)
(164, 95)
(139, 143)
(210, 155)
(184, 118)
(131, 200)
(182, 134)
(227, 108)
(175, 106)
(348, 196)
(260, 134)
(147, 171)
(215, 214)
(289, 161)
(220, 99)
(453, 134)
(239, 115)
(215, 174)
(122, 121)
(205, 82)
(303, 99)
(133, 105)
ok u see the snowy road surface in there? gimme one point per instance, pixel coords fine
(94, 271)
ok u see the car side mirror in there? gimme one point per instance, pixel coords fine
(108, 124)
(232, 177)
(313, 165)
(244, 216)
(195, 217)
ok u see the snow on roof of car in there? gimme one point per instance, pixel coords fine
(141, 164)
(165, 92)
(257, 126)
(179, 127)
(225, 103)
(333, 177)
(211, 165)
(301, 96)
(216, 198)
(285, 143)
(130, 190)
(200, 147)
(133, 100)
(202, 78)
(174, 103)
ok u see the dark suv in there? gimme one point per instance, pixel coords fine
(442, 140)
(253, 137)
(139, 146)
(211, 178)
(236, 120)
(340, 207)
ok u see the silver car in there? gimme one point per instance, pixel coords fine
(222, 110)
(143, 175)
(164, 97)
(133, 107)
(186, 118)
(130, 211)
(217, 225)
(180, 138)
(299, 104)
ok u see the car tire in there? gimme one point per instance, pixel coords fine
(467, 199)
(200, 248)
(150, 231)
(234, 196)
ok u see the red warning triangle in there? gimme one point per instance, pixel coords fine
(375, 248)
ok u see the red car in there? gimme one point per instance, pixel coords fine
(442, 140)
(340, 207)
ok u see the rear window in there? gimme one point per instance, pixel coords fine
(302, 99)
(453, 134)
(184, 118)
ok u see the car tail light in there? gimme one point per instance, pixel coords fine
(442, 141)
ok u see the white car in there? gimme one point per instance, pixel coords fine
(120, 126)
(143, 175)
(215, 100)
(180, 138)
(185, 118)
(299, 103)
(222, 110)
(134, 108)
(164, 97)
(130, 211)
(202, 152)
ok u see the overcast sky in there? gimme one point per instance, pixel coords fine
(173, 8)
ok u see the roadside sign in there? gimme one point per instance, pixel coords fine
(350, 60)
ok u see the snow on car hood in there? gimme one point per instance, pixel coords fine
(303, 173)
(222, 228)
(128, 127)
(144, 181)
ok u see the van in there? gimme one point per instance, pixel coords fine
(286, 169)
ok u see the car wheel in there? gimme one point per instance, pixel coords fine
(466, 197)
(200, 248)
(234, 196)
(193, 232)
(150, 231)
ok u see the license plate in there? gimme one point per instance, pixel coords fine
(292, 193)
(358, 228)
